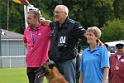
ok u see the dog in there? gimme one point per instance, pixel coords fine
(51, 72)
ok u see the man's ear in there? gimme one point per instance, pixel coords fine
(51, 65)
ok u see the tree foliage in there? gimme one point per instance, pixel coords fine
(12, 16)
(91, 12)
(113, 30)
(86, 12)
(119, 9)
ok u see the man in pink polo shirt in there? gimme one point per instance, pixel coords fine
(37, 40)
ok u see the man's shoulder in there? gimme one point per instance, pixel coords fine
(71, 21)
(41, 26)
(112, 55)
(53, 23)
(44, 28)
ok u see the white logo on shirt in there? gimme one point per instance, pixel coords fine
(62, 39)
(39, 33)
(122, 60)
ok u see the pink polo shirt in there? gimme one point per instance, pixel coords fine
(38, 42)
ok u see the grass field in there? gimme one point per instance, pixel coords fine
(14, 75)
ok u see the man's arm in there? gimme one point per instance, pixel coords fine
(81, 76)
(25, 44)
(100, 43)
(45, 22)
(78, 31)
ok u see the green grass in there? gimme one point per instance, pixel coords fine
(14, 75)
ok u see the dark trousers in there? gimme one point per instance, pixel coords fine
(32, 77)
(78, 58)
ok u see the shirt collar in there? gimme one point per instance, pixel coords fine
(36, 29)
(117, 54)
(64, 25)
(96, 48)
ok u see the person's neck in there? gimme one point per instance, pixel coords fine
(36, 26)
(92, 46)
(119, 54)
(61, 22)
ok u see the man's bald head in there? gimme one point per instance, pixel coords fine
(63, 8)
(60, 13)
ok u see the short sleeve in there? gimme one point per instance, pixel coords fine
(104, 57)
(24, 37)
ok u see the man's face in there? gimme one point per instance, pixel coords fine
(31, 20)
(120, 51)
(59, 15)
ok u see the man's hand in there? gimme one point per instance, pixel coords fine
(104, 81)
(25, 44)
(100, 43)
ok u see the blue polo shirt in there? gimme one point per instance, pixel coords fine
(93, 63)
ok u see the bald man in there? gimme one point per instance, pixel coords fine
(64, 36)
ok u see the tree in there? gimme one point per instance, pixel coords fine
(13, 14)
(16, 18)
(86, 12)
(119, 9)
(91, 12)
(113, 30)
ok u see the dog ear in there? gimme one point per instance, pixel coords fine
(51, 65)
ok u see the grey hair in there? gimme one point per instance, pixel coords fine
(64, 8)
(97, 32)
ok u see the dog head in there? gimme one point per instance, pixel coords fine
(45, 69)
